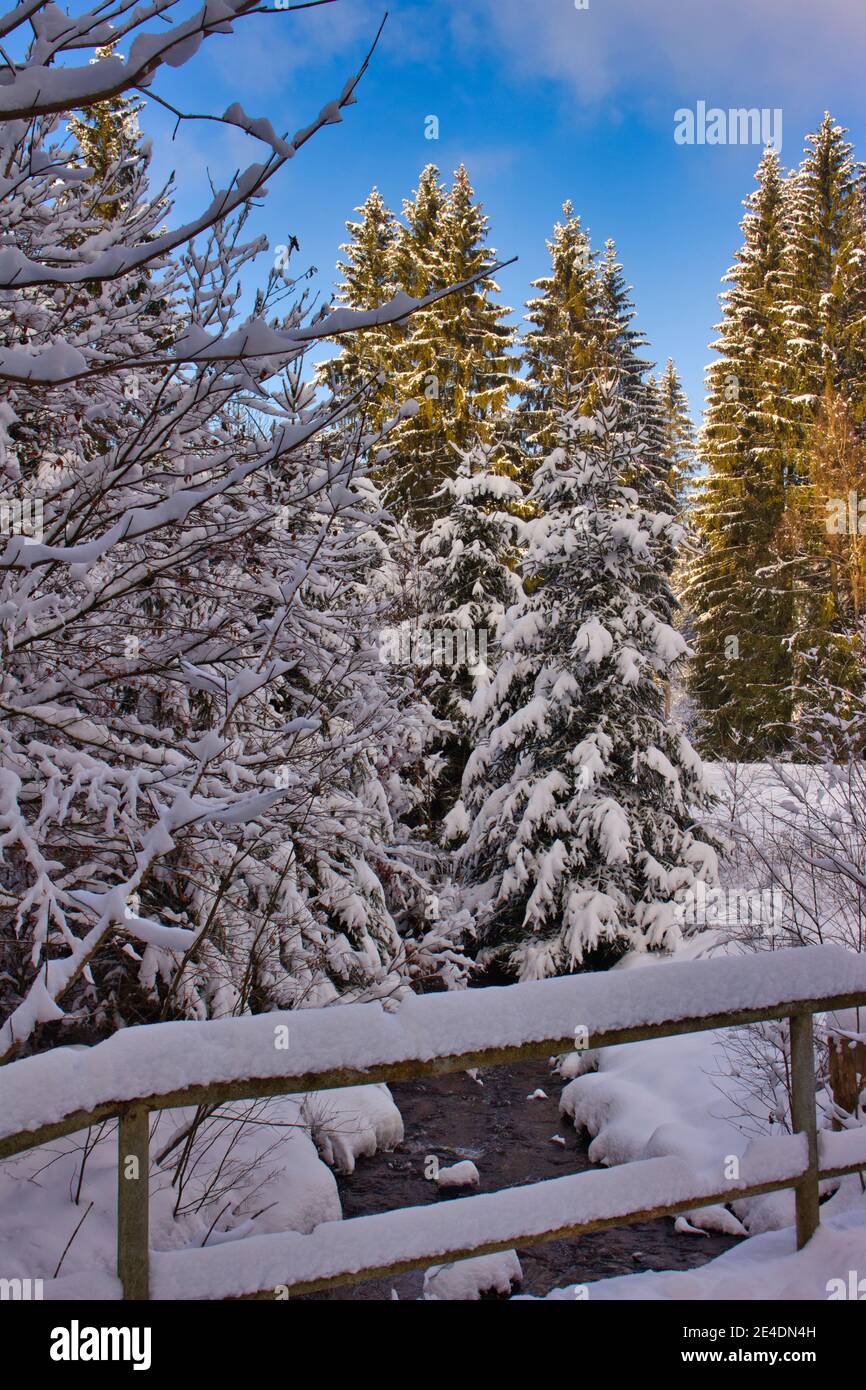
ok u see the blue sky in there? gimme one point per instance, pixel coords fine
(542, 101)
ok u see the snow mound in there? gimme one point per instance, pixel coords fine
(463, 1174)
(254, 1171)
(469, 1279)
(352, 1123)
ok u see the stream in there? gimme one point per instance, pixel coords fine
(509, 1138)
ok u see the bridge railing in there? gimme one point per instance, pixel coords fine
(151, 1068)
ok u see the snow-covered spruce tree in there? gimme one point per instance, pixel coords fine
(456, 364)
(832, 673)
(678, 432)
(190, 818)
(825, 281)
(367, 280)
(109, 141)
(470, 558)
(406, 255)
(581, 797)
(676, 451)
(411, 762)
(418, 251)
(741, 603)
(824, 309)
(562, 349)
(621, 342)
(582, 335)
(620, 360)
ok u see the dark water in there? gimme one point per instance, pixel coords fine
(509, 1140)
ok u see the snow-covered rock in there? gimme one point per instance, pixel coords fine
(352, 1123)
(463, 1174)
(469, 1279)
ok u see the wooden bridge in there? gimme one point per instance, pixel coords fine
(168, 1065)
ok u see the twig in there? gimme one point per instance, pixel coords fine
(213, 1223)
(70, 1240)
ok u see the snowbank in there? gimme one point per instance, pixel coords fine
(352, 1123)
(469, 1279)
(675, 1096)
(258, 1178)
(767, 1267)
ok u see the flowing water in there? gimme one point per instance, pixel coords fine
(510, 1140)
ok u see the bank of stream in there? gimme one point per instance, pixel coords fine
(510, 1139)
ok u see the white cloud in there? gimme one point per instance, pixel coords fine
(724, 50)
(264, 56)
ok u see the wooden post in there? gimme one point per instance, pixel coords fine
(133, 1163)
(804, 1120)
(847, 1073)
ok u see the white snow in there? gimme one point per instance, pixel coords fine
(463, 1174)
(255, 1172)
(146, 1061)
(684, 1228)
(414, 1235)
(660, 1097)
(469, 1279)
(767, 1268)
(845, 1149)
(351, 1123)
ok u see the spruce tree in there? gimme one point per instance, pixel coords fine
(830, 539)
(740, 598)
(825, 313)
(678, 432)
(826, 281)
(583, 334)
(367, 271)
(562, 348)
(470, 558)
(110, 144)
(454, 358)
(622, 342)
(676, 452)
(581, 797)
(620, 360)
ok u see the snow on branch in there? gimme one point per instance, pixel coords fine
(61, 364)
(205, 765)
(35, 89)
(71, 90)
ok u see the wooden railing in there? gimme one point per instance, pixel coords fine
(58, 1093)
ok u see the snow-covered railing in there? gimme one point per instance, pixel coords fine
(178, 1064)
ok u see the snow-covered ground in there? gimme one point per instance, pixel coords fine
(259, 1177)
(663, 1097)
(767, 1268)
